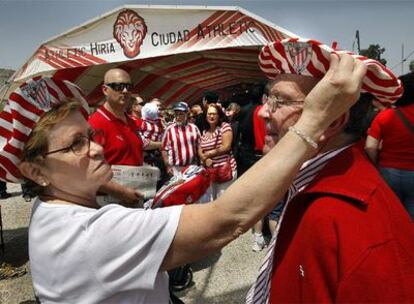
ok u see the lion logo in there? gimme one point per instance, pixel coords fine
(130, 30)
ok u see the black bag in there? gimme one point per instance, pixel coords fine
(174, 299)
(181, 278)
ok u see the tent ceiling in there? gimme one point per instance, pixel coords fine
(182, 76)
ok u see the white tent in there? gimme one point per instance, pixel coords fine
(171, 52)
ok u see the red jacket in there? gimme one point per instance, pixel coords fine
(347, 238)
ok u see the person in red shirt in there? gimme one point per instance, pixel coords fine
(135, 110)
(123, 144)
(343, 236)
(136, 107)
(390, 145)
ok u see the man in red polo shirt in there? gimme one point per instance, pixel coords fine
(123, 142)
(343, 235)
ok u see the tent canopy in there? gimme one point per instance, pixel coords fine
(171, 52)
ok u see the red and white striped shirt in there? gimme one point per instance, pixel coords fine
(152, 129)
(181, 143)
(208, 143)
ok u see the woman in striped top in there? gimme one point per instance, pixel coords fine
(215, 149)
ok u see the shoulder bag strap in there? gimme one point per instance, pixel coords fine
(217, 137)
(215, 145)
(404, 120)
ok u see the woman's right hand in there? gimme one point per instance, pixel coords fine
(338, 90)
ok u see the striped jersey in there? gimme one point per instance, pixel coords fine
(208, 143)
(181, 142)
(152, 129)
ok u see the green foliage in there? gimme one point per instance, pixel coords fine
(374, 51)
(411, 66)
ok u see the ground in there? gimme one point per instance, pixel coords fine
(224, 277)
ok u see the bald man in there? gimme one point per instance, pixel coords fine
(123, 143)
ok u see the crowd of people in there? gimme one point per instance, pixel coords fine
(137, 132)
(295, 159)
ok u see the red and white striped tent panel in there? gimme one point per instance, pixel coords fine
(171, 52)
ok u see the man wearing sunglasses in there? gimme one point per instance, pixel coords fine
(123, 143)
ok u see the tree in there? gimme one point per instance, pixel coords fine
(374, 51)
(411, 66)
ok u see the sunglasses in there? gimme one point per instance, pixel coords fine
(119, 86)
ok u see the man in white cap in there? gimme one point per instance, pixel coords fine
(152, 127)
(180, 141)
(343, 235)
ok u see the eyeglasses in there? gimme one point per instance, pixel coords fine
(119, 86)
(275, 103)
(81, 144)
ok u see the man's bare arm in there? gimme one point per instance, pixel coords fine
(168, 168)
(153, 145)
(372, 146)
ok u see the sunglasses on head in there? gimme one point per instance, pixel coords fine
(119, 86)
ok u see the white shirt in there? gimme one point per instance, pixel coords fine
(110, 255)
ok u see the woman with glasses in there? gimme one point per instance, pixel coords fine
(215, 150)
(80, 253)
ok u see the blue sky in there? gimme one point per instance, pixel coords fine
(25, 24)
